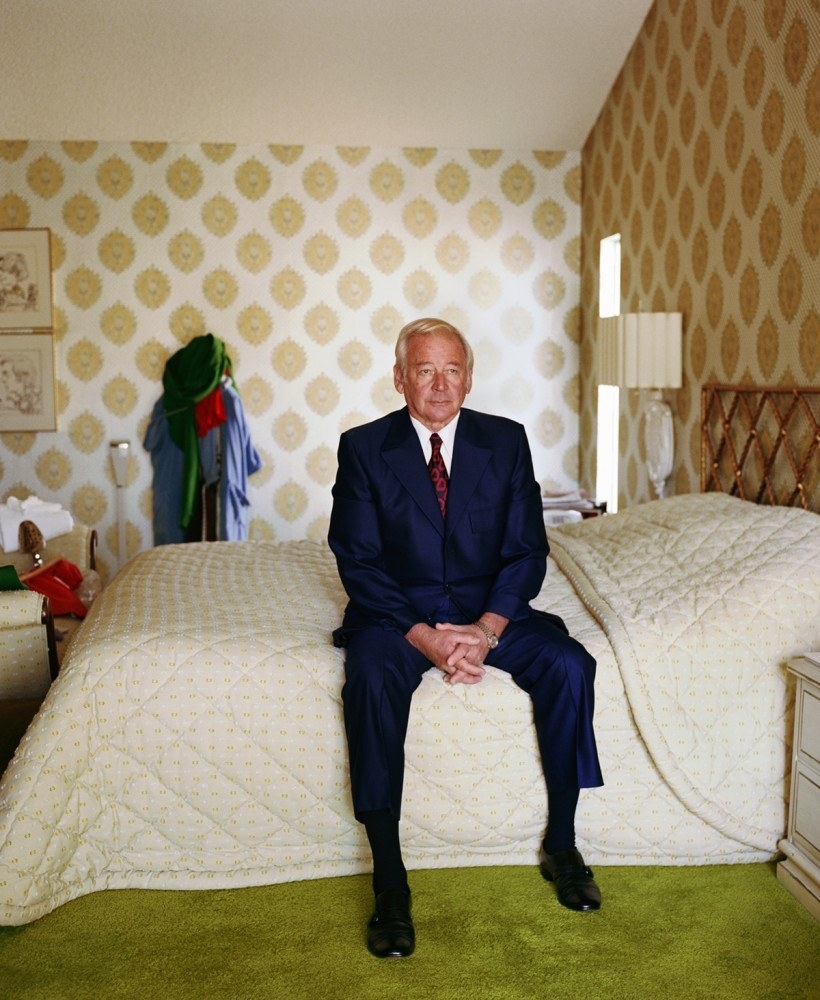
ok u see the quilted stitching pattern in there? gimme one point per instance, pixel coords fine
(703, 599)
(194, 736)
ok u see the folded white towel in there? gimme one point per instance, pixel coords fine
(52, 521)
(32, 504)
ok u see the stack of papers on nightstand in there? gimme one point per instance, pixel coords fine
(573, 500)
(813, 656)
(555, 516)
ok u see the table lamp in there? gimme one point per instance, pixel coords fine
(644, 351)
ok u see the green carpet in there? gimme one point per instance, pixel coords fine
(727, 932)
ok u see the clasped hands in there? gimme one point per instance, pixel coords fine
(456, 650)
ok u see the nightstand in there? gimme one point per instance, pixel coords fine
(800, 871)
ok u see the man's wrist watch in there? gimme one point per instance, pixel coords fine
(489, 635)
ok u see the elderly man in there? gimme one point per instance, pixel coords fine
(439, 538)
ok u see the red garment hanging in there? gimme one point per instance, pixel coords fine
(210, 412)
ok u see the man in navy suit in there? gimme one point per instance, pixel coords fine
(438, 532)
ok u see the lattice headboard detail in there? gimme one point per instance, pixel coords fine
(762, 444)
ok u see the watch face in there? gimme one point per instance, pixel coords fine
(493, 641)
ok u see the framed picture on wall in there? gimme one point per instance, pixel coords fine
(25, 279)
(27, 398)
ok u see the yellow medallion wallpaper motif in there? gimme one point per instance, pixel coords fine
(306, 261)
(706, 159)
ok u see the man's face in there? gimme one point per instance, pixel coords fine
(436, 381)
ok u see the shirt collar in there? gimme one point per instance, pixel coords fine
(447, 435)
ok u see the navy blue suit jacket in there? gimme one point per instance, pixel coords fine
(400, 561)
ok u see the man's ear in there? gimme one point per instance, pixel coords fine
(398, 380)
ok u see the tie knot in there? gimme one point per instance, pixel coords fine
(435, 440)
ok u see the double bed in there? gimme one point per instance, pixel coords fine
(194, 738)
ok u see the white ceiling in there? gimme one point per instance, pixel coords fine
(513, 74)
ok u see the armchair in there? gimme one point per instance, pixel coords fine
(29, 658)
(78, 546)
(28, 650)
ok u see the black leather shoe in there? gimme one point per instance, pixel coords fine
(390, 932)
(576, 887)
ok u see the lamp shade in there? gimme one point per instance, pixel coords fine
(641, 350)
(119, 459)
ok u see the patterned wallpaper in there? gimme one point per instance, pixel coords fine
(306, 261)
(706, 158)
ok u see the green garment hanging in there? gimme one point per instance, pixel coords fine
(190, 375)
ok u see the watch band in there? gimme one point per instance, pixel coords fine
(492, 638)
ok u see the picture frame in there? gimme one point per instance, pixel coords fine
(27, 389)
(25, 279)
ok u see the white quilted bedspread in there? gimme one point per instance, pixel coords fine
(194, 736)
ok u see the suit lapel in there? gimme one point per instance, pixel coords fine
(402, 453)
(471, 455)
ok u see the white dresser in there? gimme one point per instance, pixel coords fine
(800, 871)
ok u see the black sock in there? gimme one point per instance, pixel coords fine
(389, 872)
(560, 834)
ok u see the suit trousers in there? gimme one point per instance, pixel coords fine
(382, 670)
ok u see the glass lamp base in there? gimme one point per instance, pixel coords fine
(659, 442)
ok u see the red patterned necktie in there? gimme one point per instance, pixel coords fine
(438, 473)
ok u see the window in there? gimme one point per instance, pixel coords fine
(609, 290)
(609, 299)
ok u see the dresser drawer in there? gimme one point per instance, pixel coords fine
(808, 745)
(799, 871)
(806, 832)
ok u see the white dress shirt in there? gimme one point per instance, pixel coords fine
(447, 435)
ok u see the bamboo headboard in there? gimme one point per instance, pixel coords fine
(762, 444)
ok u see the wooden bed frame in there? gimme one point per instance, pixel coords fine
(762, 443)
